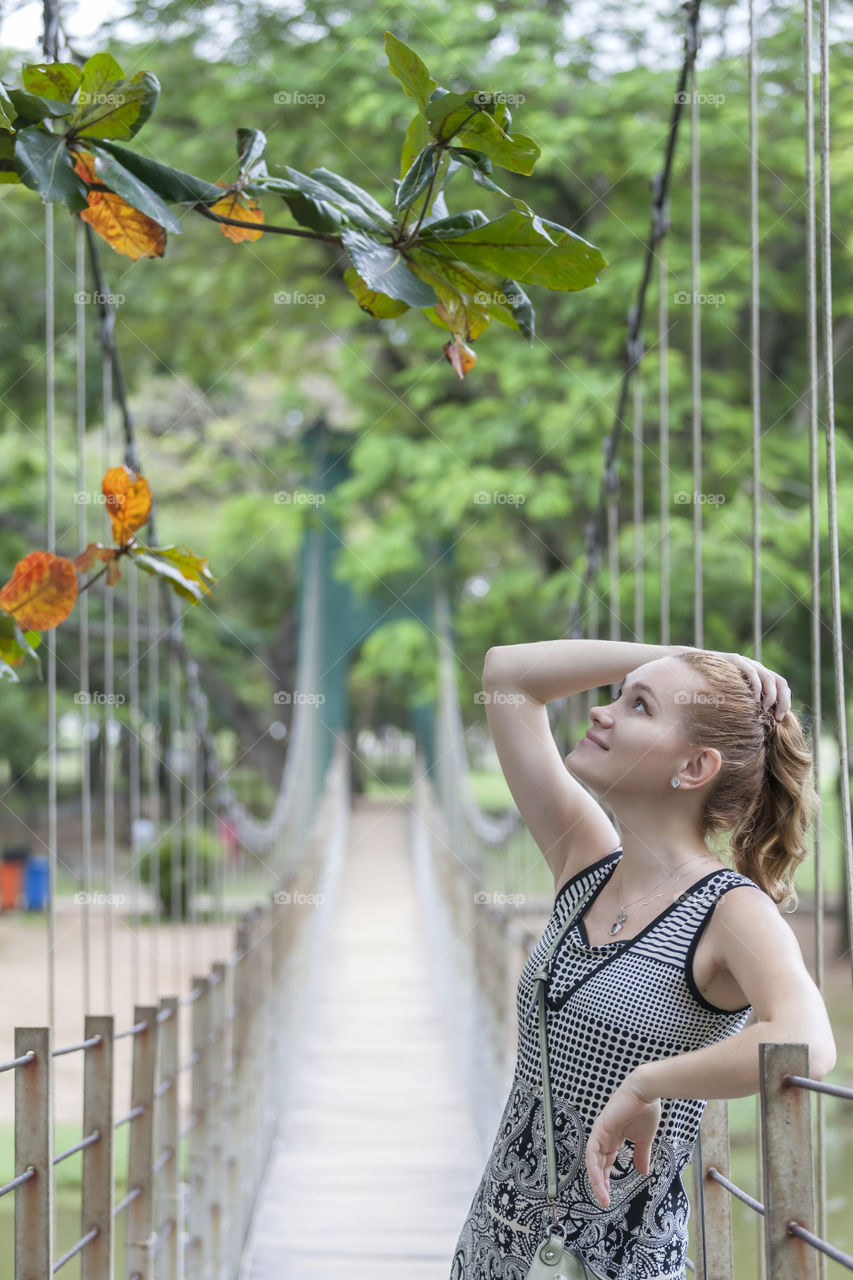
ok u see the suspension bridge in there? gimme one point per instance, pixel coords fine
(310, 1080)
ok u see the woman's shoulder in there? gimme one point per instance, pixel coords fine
(577, 875)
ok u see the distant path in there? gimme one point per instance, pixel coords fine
(376, 1162)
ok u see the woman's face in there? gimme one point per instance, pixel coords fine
(642, 743)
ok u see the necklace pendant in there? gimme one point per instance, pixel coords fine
(619, 921)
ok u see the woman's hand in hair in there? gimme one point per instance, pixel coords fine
(769, 687)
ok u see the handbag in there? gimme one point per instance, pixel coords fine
(552, 1259)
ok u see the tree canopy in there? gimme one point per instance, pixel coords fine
(225, 376)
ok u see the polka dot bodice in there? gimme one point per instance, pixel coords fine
(609, 1008)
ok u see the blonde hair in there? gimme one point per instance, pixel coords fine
(763, 793)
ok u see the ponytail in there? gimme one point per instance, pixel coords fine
(763, 794)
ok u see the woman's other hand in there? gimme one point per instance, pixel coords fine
(630, 1115)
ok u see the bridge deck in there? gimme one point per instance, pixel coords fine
(375, 1164)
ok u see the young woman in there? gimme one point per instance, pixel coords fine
(652, 986)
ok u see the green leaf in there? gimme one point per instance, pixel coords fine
(384, 268)
(419, 176)
(446, 115)
(172, 185)
(352, 191)
(44, 164)
(506, 300)
(251, 144)
(33, 109)
(185, 572)
(454, 225)
(317, 215)
(100, 72)
(409, 69)
(319, 192)
(518, 154)
(7, 110)
(482, 167)
(466, 311)
(7, 158)
(128, 186)
(417, 137)
(15, 645)
(113, 108)
(370, 300)
(512, 246)
(521, 314)
(59, 80)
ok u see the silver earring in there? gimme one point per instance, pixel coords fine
(676, 782)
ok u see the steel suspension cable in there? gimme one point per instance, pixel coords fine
(50, 636)
(83, 624)
(815, 609)
(831, 476)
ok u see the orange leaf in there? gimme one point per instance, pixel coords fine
(459, 355)
(236, 206)
(94, 551)
(41, 592)
(84, 165)
(128, 502)
(126, 229)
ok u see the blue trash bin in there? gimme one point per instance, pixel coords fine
(37, 882)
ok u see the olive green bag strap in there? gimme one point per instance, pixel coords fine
(551, 1250)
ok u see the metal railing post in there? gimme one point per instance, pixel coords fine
(257, 1053)
(34, 1235)
(98, 1198)
(168, 1190)
(786, 1149)
(216, 1128)
(712, 1235)
(198, 1134)
(240, 1094)
(269, 1114)
(140, 1173)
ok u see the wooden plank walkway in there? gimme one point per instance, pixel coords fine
(376, 1162)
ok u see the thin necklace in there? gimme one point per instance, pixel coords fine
(623, 914)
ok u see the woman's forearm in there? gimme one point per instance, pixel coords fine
(730, 1068)
(548, 669)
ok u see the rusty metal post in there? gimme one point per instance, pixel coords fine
(713, 1254)
(168, 1191)
(34, 1237)
(269, 1065)
(98, 1200)
(231, 1121)
(140, 1173)
(241, 1092)
(216, 1127)
(786, 1148)
(280, 973)
(257, 1051)
(198, 1146)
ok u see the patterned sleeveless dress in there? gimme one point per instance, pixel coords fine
(609, 1008)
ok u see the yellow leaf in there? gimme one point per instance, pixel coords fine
(127, 230)
(233, 205)
(128, 503)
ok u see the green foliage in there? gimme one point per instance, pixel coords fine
(225, 382)
(155, 868)
(457, 257)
